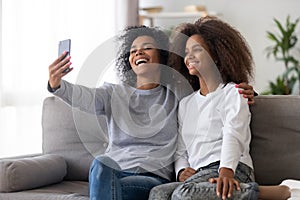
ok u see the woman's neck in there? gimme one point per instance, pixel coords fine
(143, 83)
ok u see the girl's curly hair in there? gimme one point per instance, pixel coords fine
(126, 39)
(227, 47)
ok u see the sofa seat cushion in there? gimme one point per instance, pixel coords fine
(18, 174)
(66, 190)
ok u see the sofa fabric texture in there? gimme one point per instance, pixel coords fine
(66, 190)
(17, 174)
(275, 126)
(73, 134)
(77, 137)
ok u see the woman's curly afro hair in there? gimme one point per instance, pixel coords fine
(126, 39)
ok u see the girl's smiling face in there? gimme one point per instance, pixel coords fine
(144, 55)
(197, 57)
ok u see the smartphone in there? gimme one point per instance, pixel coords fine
(64, 45)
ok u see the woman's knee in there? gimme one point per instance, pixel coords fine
(104, 163)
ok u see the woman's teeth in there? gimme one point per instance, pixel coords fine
(140, 61)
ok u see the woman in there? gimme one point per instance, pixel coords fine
(213, 159)
(141, 115)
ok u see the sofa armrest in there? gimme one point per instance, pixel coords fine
(18, 174)
(21, 156)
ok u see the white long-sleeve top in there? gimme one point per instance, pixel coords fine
(213, 128)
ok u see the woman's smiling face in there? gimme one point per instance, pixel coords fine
(144, 55)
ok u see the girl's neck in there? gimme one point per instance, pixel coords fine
(208, 87)
(203, 87)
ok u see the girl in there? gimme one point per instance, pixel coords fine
(213, 159)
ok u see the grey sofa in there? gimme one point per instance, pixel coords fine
(71, 139)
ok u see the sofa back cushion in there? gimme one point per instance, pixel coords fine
(275, 127)
(74, 135)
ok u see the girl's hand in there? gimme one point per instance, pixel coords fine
(186, 173)
(247, 92)
(225, 183)
(57, 68)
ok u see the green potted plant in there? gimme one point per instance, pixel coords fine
(283, 43)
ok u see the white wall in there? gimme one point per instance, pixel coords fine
(252, 18)
(0, 52)
(28, 45)
(126, 13)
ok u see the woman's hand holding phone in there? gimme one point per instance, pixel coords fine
(58, 69)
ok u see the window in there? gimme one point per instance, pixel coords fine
(30, 33)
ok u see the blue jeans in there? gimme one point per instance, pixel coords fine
(197, 186)
(108, 182)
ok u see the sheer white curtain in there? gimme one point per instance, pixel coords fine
(30, 33)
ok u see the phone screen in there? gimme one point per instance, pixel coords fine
(64, 45)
